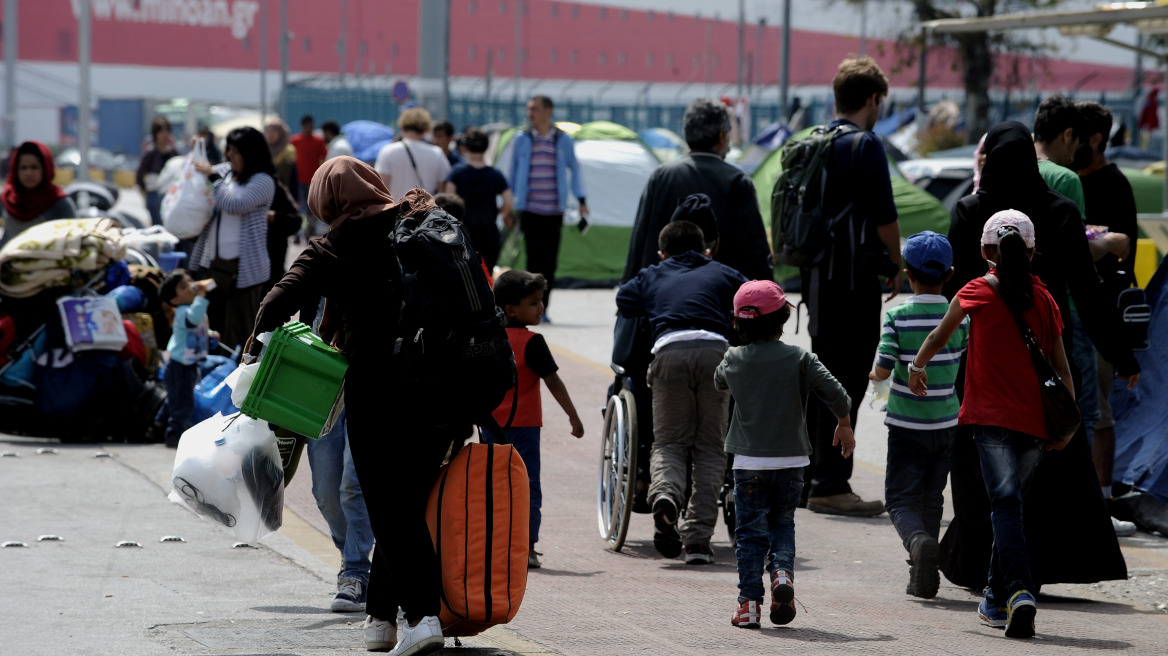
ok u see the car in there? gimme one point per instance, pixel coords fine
(102, 163)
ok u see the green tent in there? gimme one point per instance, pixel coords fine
(1148, 190)
(918, 210)
(615, 165)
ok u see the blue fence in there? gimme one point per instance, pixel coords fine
(350, 104)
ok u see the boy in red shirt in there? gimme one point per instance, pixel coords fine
(520, 294)
(311, 152)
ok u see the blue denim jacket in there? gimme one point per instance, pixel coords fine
(565, 161)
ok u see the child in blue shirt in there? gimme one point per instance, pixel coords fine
(188, 346)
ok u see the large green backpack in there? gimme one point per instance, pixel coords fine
(799, 229)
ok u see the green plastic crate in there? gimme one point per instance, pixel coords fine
(300, 385)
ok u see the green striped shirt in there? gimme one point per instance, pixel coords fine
(905, 330)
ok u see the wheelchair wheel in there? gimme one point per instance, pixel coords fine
(618, 469)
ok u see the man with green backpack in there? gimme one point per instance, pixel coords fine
(834, 217)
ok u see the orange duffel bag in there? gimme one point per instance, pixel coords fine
(479, 521)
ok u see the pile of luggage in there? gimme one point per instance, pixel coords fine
(80, 334)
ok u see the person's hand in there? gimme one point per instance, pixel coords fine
(918, 383)
(577, 427)
(584, 211)
(198, 289)
(204, 168)
(872, 375)
(253, 346)
(1131, 380)
(894, 285)
(1117, 244)
(214, 334)
(844, 439)
(508, 220)
(1051, 445)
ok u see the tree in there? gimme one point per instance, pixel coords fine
(975, 50)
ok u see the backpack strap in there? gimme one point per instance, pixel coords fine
(417, 176)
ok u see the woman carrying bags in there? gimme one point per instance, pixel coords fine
(353, 266)
(233, 247)
(30, 197)
(1003, 403)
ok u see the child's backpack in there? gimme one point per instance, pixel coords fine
(452, 336)
(798, 226)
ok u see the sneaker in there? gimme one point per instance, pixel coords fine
(424, 638)
(849, 504)
(666, 539)
(1122, 529)
(747, 616)
(782, 597)
(350, 596)
(380, 635)
(533, 561)
(923, 576)
(1020, 615)
(699, 554)
(991, 614)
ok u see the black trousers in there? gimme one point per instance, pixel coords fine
(846, 340)
(397, 457)
(541, 239)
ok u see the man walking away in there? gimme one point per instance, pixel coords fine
(842, 288)
(543, 157)
(743, 242)
(412, 163)
(338, 145)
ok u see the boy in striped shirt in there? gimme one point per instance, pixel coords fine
(921, 430)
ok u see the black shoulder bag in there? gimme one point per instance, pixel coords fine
(1058, 404)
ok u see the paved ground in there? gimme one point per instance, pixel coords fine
(203, 597)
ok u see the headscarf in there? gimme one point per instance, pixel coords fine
(27, 204)
(347, 189)
(285, 136)
(1010, 179)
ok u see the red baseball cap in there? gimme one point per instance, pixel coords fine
(758, 298)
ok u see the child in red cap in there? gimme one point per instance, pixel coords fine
(770, 381)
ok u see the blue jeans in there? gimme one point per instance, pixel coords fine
(918, 466)
(1008, 461)
(764, 503)
(338, 495)
(180, 380)
(154, 206)
(526, 443)
(1083, 355)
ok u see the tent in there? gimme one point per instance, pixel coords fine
(615, 164)
(367, 138)
(918, 210)
(666, 143)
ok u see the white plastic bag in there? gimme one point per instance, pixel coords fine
(188, 203)
(228, 469)
(169, 174)
(240, 382)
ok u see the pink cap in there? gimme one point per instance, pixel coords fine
(1005, 221)
(757, 298)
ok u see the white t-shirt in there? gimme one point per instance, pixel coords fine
(394, 161)
(339, 146)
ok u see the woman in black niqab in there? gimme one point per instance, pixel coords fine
(1068, 527)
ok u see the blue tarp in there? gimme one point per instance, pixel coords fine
(367, 138)
(772, 136)
(1141, 424)
(888, 125)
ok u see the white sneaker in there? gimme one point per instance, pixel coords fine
(424, 638)
(1122, 528)
(380, 635)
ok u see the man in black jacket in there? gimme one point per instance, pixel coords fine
(743, 243)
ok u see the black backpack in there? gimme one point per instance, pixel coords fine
(799, 229)
(453, 342)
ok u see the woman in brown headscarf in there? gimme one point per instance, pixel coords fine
(396, 452)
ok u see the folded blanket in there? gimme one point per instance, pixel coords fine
(46, 255)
